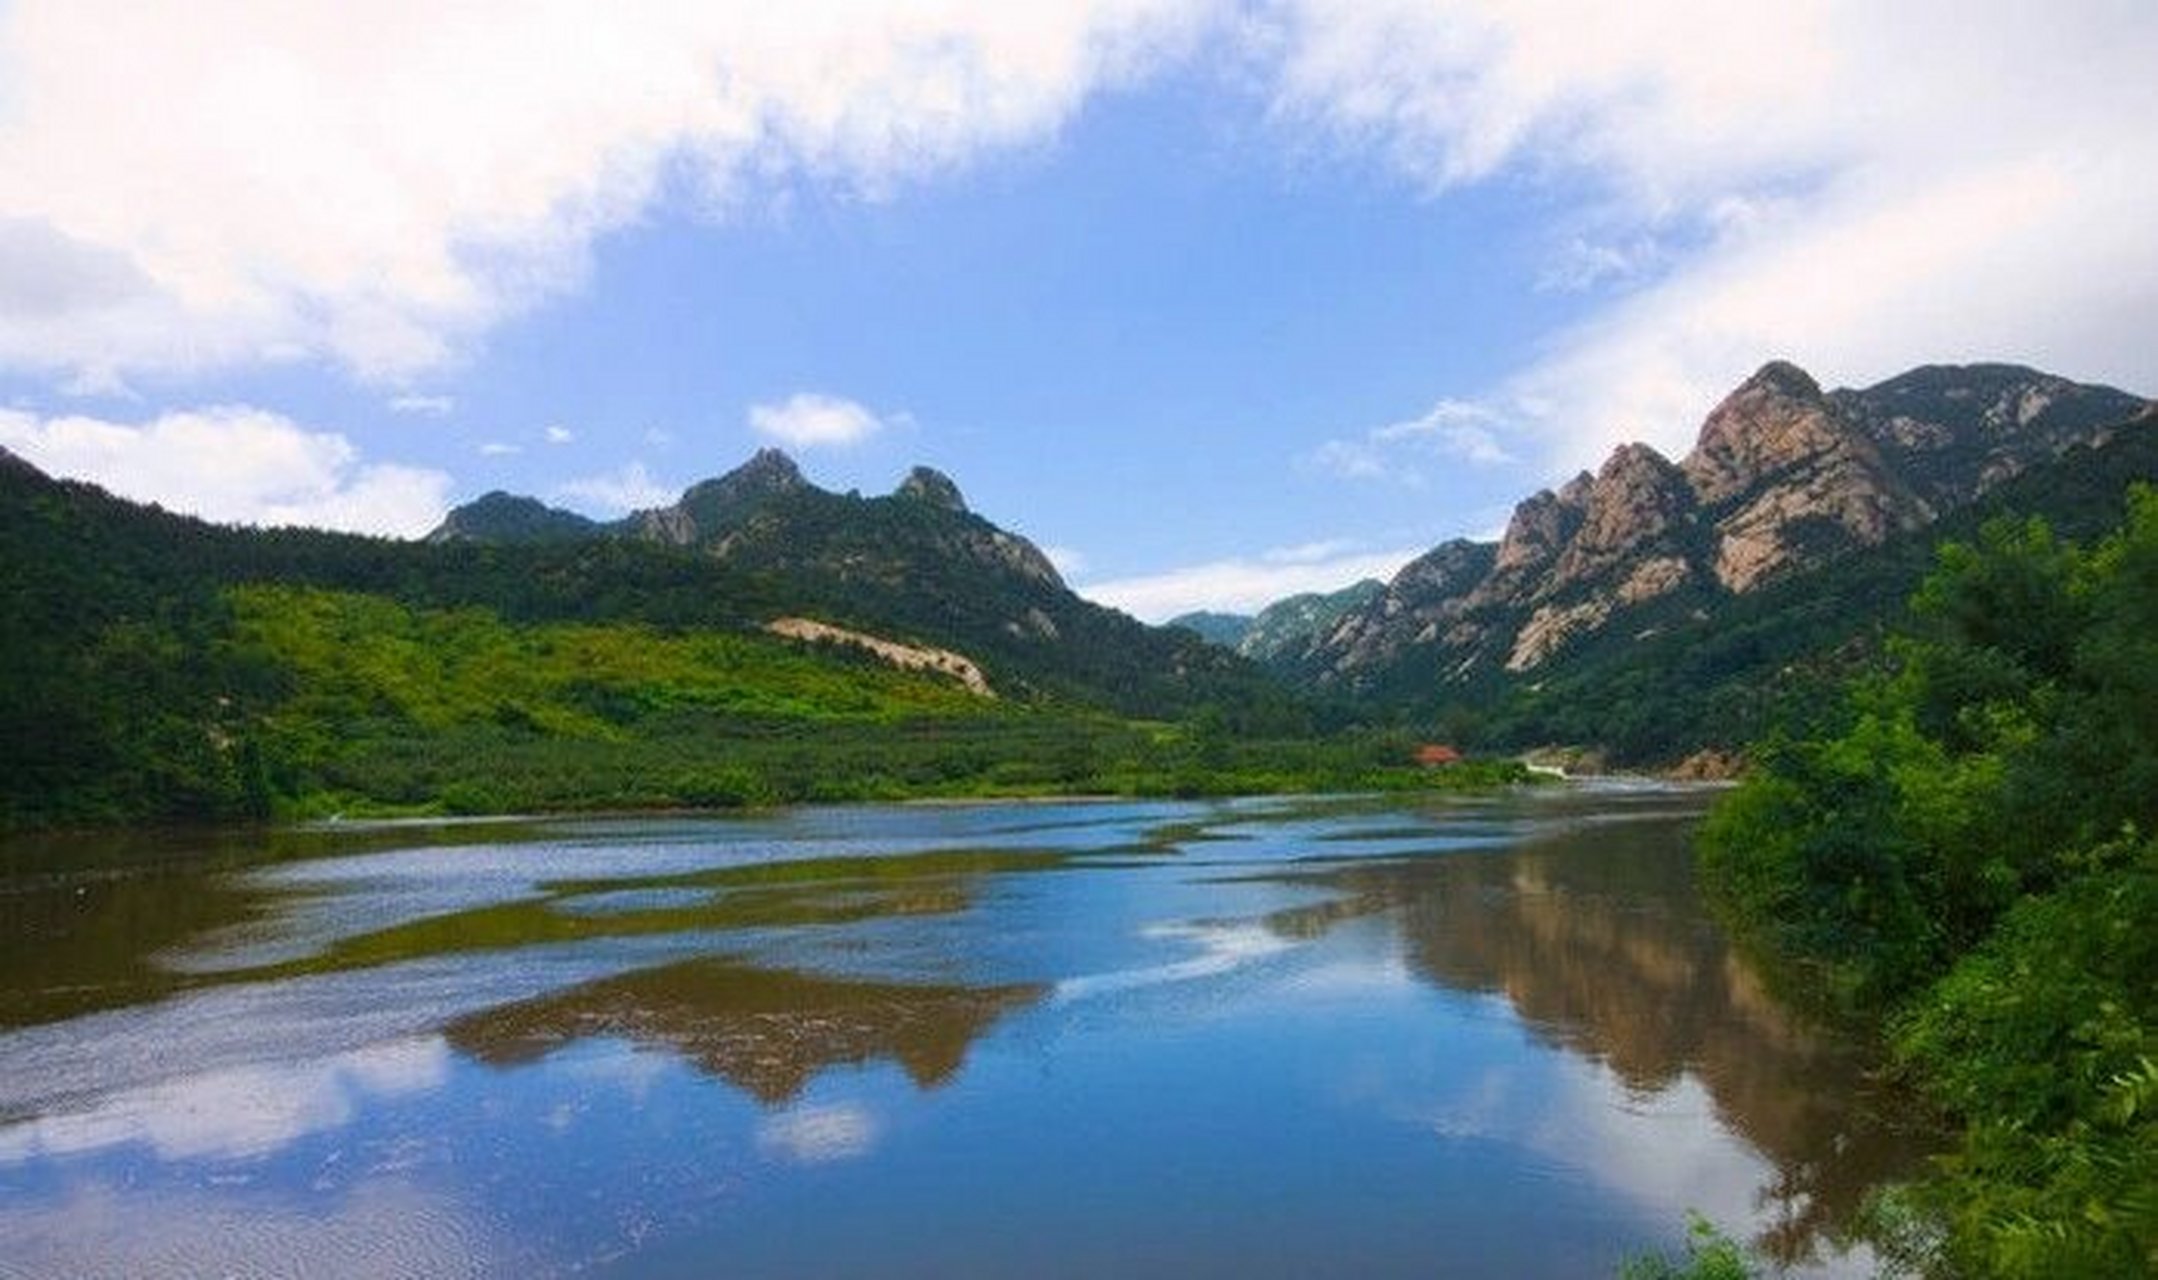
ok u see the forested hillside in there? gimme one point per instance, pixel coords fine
(165, 668)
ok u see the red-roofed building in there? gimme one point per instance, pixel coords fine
(1433, 755)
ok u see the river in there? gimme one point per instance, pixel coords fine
(1486, 1036)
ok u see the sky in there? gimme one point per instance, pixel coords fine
(1216, 300)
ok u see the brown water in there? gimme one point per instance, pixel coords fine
(1493, 1037)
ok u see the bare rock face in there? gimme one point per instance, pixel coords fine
(1637, 505)
(1790, 481)
(1631, 545)
(1782, 477)
(1429, 597)
(1010, 551)
(1541, 527)
(1775, 420)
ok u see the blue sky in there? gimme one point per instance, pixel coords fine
(1217, 300)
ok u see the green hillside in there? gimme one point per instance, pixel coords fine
(163, 668)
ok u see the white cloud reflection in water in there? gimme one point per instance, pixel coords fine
(239, 1112)
(381, 1229)
(818, 1133)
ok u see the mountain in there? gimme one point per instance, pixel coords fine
(1783, 478)
(1289, 628)
(916, 566)
(507, 518)
(796, 645)
(1225, 629)
(1285, 630)
(1677, 680)
(764, 514)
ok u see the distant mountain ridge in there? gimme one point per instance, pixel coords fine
(1286, 628)
(760, 512)
(1782, 478)
(915, 565)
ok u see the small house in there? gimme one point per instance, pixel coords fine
(1434, 755)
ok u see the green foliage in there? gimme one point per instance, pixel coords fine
(1710, 1255)
(160, 668)
(2046, 1039)
(1956, 855)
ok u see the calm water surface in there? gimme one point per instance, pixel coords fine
(1493, 1037)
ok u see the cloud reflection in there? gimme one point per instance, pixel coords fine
(818, 1134)
(1222, 949)
(239, 1112)
(98, 1230)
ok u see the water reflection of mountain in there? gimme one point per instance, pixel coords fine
(1596, 937)
(766, 1031)
(80, 937)
(87, 918)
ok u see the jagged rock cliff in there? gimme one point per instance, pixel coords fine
(1787, 478)
(1783, 477)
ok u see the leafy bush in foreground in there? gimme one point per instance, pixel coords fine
(1966, 859)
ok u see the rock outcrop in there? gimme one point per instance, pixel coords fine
(1427, 604)
(906, 657)
(927, 484)
(1782, 477)
(1789, 480)
(711, 509)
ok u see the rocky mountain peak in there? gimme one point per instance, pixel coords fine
(1450, 569)
(1781, 378)
(1783, 477)
(927, 484)
(1638, 496)
(769, 469)
(1775, 420)
(711, 507)
(1954, 431)
(1633, 543)
(1542, 525)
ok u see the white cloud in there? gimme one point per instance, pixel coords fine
(818, 1134)
(499, 449)
(1246, 584)
(807, 420)
(237, 464)
(627, 488)
(1857, 188)
(427, 406)
(1453, 430)
(559, 435)
(239, 181)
